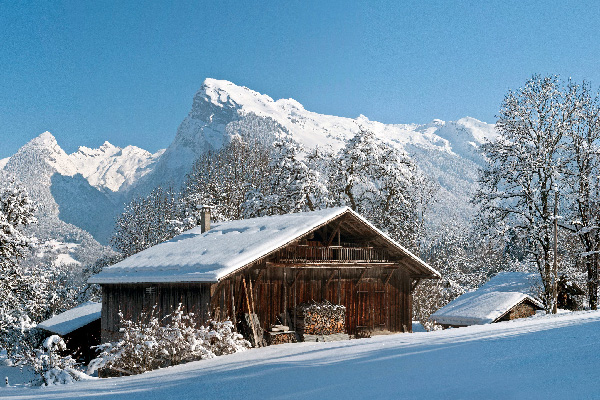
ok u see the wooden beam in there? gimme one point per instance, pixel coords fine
(213, 289)
(214, 296)
(298, 273)
(339, 286)
(285, 287)
(336, 265)
(360, 278)
(414, 284)
(388, 278)
(251, 295)
(330, 278)
(334, 233)
(231, 284)
(250, 314)
(261, 272)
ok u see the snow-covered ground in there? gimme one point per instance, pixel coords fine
(540, 357)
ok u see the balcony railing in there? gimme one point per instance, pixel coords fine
(335, 254)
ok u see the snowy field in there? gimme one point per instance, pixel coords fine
(543, 357)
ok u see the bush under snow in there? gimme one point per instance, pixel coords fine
(148, 344)
(51, 367)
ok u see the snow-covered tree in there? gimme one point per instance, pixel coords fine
(51, 366)
(380, 182)
(16, 212)
(526, 165)
(582, 178)
(93, 292)
(150, 220)
(19, 286)
(151, 343)
(291, 186)
(224, 178)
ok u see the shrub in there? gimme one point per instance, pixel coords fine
(148, 344)
(51, 367)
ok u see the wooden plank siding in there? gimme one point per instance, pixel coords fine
(371, 305)
(133, 299)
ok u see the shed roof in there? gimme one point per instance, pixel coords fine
(229, 246)
(73, 319)
(490, 301)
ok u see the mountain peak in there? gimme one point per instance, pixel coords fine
(222, 92)
(46, 139)
(107, 145)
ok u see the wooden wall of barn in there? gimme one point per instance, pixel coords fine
(133, 299)
(374, 300)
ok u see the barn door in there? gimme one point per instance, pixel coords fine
(370, 306)
(379, 306)
(363, 308)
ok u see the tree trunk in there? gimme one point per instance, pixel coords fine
(592, 281)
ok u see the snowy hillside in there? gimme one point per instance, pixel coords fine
(108, 167)
(87, 189)
(540, 357)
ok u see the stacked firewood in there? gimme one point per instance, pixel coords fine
(320, 319)
(280, 337)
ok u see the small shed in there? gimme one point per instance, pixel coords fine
(268, 266)
(507, 296)
(79, 327)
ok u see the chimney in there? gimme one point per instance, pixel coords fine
(205, 218)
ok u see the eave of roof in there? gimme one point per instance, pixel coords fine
(73, 319)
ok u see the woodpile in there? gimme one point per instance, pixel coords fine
(320, 319)
(274, 338)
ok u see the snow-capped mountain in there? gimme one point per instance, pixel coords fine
(77, 195)
(88, 188)
(221, 108)
(112, 167)
(446, 151)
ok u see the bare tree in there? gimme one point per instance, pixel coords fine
(582, 178)
(225, 178)
(517, 188)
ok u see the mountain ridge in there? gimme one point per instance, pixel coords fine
(109, 176)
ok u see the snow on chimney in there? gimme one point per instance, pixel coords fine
(205, 218)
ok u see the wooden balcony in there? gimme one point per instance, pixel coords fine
(333, 254)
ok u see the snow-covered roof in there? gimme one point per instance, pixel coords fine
(73, 319)
(524, 282)
(227, 247)
(491, 301)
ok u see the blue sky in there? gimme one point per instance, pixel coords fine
(95, 71)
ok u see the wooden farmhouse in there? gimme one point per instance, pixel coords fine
(270, 265)
(507, 296)
(79, 327)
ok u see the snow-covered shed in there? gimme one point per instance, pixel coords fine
(507, 296)
(79, 327)
(270, 265)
